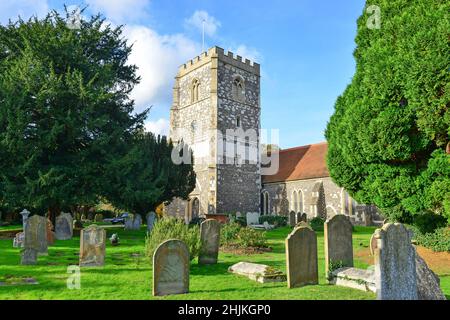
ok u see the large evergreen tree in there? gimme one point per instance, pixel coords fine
(65, 110)
(145, 176)
(390, 130)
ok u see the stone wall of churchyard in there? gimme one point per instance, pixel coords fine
(238, 177)
(332, 200)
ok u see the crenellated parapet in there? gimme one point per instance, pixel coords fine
(226, 57)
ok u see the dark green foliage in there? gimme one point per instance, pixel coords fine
(65, 111)
(438, 240)
(197, 221)
(229, 232)
(171, 228)
(145, 176)
(277, 221)
(429, 222)
(317, 224)
(391, 126)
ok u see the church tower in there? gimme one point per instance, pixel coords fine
(216, 112)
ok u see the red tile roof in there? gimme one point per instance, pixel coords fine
(306, 162)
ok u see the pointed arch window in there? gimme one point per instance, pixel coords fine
(194, 90)
(238, 88)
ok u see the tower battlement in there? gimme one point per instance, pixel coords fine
(226, 57)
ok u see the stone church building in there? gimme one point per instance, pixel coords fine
(216, 111)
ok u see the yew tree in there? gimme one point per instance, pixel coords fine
(65, 110)
(389, 134)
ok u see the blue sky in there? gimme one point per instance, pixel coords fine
(304, 46)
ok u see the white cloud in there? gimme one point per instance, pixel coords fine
(11, 9)
(247, 53)
(158, 58)
(158, 127)
(200, 16)
(120, 10)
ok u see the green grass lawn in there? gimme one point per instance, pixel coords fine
(127, 273)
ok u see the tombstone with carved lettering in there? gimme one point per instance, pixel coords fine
(92, 246)
(171, 268)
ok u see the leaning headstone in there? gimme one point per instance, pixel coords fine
(137, 221)
(18, 240)
(301, 257)
(210, 241)
(257, 272)
(252, 218)
(35, 241)
(338, 243)
(151, 217)
(50, 233)
(171, 268)
(92, 246)
(395, 264)
(292, 219)
(64, 226)
(428, 283)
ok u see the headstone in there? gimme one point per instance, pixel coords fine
(98, 217)
(92, 246)
(257, 272)
(18, 240)
(292, 219)
(361, 279)
(29, 256)
(151, 217)
(171, 268)
(210, 241)
(50, 233)
(428, 283)
(64, 226)
(301, 257)
(252, 218)
(137, 221)
(395, 264)
(128, 225)
(338, 243)
(25, 214)
(35, 241)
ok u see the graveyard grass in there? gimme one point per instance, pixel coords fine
(127, 273)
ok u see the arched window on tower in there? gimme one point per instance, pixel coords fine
(238, 88)
(194, 90)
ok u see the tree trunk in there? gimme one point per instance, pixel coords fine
(53, 212)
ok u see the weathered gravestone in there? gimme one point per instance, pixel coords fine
(35, 241)
(252, 218)
(18, 240)
(292, 219)
(301, 257)
(151, 217)
(128, 225)
(137, 221)
(50, 233)
(428, 283)
(64, 226)
(257, 272)
(92, 246)
(338, 243)
(210, 241)
(171, 268)
(395, 264)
